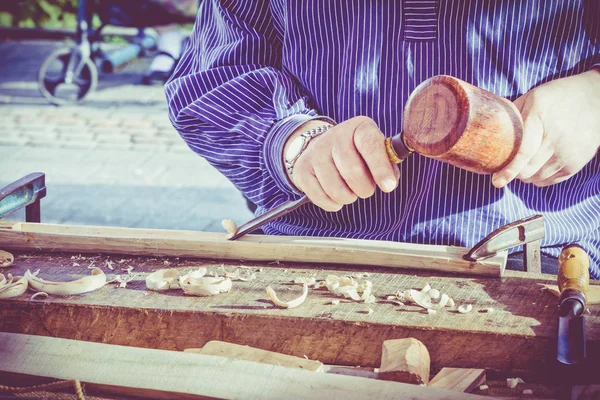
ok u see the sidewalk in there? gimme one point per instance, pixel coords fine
(113, 160)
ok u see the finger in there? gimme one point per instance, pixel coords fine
(533, 132)
(539, 165)
(369, 141)
(308, 183)
(562, 175)
(332, 183)
(353, 170)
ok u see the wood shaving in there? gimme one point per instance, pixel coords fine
(367, 311)
(434, 294)
(487, 310)
(465, 308)
(128, 269)
(451, 303)
(230, 227)
(76, 264)
(349, 288)
(431, 311)
(335, 302)
(163, 279)
(484, 387)
(6, 259)
(109, 265)
(309, 280)
(39, 294)
(204, 285)
(95, 281)
(287, 304)
(13, 287)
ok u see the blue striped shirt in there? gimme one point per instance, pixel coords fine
(254, 71)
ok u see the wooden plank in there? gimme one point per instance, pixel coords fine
(459, 379)
(232, 350)
(518, 336)
(190, 373)
(158, 242)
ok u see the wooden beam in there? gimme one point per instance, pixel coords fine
(232, 350)
(156, 242)
(459, 379)
(522, 326)
(190, 373)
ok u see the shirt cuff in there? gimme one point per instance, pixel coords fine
(275, 143)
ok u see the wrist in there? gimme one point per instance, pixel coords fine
(315, 127)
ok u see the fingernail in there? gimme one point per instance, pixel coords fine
(499, 182)
(388, 185)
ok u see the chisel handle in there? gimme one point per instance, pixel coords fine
(573, 269)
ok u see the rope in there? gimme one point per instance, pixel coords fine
(47, 387)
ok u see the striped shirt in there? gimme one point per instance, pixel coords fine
(254, 71)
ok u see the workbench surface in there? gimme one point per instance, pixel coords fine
(518, 335)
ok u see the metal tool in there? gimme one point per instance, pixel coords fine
(26, 192)
(267, 217)
(573, 282)
(527, 232)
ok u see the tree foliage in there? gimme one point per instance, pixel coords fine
(40, 13)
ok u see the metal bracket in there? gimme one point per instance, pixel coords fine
(527, 232)
(26, 192)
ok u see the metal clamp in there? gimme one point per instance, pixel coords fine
(26, 192)
(527, 232)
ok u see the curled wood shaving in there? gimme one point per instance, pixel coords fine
(6, 259)
(287, 304)
(39, 294)
(465, 308)
(163, 279)
(246, 276)
(13, 287)
(196, 285)
(109, 265)
(230, 227)
(349, 288)
(434, 294)
(95, 281)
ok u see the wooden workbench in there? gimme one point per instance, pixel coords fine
(518, 336)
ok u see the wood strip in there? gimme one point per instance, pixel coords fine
(190, 373)
(156, 242)
(459, 379)
(232, 350)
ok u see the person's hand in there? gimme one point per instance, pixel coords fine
(561, 133)
(343, 164)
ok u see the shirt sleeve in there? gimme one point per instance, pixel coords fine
(231, 102)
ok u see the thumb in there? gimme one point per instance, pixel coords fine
(533, 132)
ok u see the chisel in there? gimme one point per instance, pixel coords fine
(573, 282)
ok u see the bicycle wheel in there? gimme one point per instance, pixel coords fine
(64, 78)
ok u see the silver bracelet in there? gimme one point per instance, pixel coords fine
(299, 144)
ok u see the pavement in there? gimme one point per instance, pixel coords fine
(112, 160)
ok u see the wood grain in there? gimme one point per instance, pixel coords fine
(232, 350)
(459, 379)
(519, 335)
(158, 242)
(471, 128)
(404, 360)
(190, 373)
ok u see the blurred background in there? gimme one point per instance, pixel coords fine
(82, 100)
